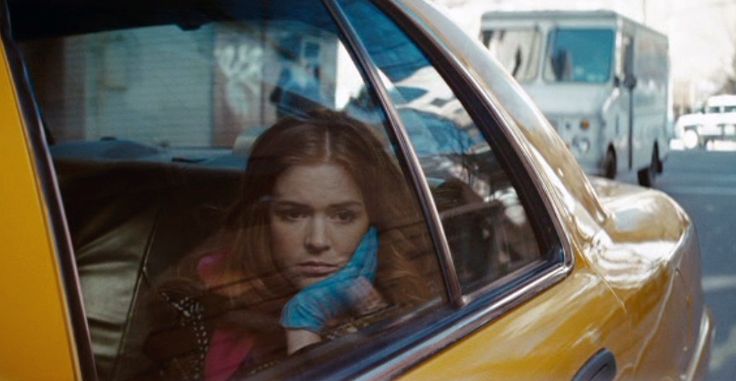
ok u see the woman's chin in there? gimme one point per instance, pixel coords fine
(304, 281)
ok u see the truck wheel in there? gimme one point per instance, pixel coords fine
(647, 175)
(691, 139)
(609, 164)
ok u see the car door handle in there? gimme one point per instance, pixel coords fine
(600, 367)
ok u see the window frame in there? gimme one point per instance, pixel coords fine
(488, 120)
(440, 60)
(59, 235)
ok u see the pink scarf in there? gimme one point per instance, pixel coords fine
(228, 349)
(227, 352)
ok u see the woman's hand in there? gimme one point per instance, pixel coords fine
(350, 288)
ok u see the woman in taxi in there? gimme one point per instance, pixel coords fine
(319, 240)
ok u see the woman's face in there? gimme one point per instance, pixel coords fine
(317, 218)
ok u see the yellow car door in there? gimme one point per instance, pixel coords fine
(37, 341)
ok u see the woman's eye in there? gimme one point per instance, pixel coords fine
(291, 215)
(345, 216)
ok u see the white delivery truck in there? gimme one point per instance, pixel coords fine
(600, 78)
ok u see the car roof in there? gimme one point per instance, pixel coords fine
(31, 19)
(721, 100)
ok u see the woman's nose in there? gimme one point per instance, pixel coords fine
(316, 240)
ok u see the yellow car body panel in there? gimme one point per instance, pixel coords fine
(650, 264)
(36, 341)
(548, 338)
(624, 295)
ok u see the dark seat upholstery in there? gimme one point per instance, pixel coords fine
(129, 221)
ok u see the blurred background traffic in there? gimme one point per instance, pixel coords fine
(702, 37)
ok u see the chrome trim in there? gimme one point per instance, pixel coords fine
(454, 292)
(508, 279)
(80, 338)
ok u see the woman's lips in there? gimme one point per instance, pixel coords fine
(316, 269)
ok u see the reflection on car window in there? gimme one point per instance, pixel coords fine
(232, 194)
(579, 55)
(486, 225)
(517, 49)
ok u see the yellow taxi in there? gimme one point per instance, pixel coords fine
(337, 189)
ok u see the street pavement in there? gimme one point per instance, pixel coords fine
(704, 183)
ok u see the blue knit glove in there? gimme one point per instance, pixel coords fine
(329, 298)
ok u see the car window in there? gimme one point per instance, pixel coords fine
(230, 185)
(486, 225)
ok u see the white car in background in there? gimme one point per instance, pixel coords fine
(716, 121)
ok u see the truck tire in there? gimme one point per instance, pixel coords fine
(609, 164)
(647, 175)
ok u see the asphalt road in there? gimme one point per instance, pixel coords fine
(704, 183)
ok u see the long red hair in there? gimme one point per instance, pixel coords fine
(323, 137)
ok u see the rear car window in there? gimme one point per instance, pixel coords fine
(228, 180)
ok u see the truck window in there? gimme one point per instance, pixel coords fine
(516, 49)
(579, 55)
